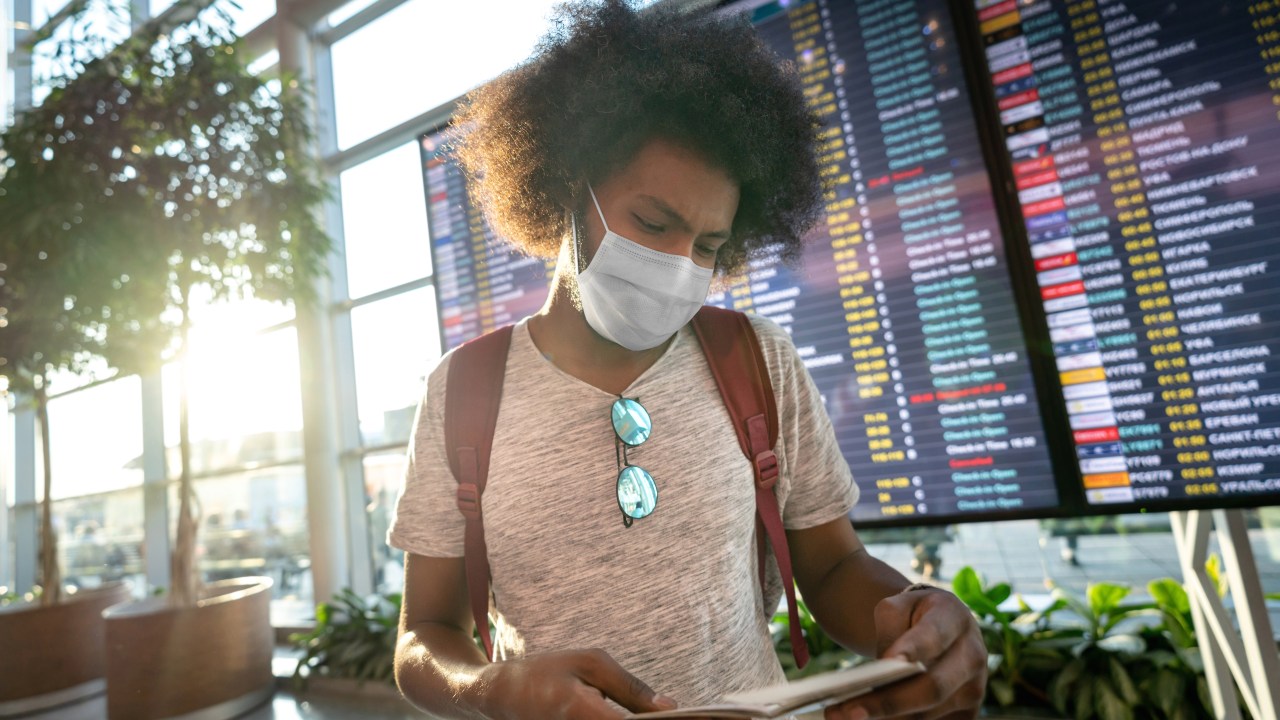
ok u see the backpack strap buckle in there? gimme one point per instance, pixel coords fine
(766, 465)
(469, 500)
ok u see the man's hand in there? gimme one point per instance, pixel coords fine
(565, 686)
(935, 628)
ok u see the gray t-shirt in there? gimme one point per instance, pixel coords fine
(675, 598)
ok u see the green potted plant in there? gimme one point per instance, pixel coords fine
(179, 175)
(40, 335)
(1024, 647)
(353, 643)
(56, 278)
(1099, 656)
(825, 654)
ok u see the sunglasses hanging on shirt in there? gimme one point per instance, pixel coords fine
(637, 492)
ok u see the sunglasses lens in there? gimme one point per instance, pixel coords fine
(631, 422)
(637, 493)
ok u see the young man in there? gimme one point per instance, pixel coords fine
(647, 152)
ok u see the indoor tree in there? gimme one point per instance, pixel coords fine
(71, 226)
(179, 174)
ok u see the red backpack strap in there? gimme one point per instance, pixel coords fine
(733, 352)
(472, 397)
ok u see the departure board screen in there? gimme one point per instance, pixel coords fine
(902, 307)
(1144, 144)
(481, 283)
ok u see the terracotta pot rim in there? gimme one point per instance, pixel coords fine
(83, 595)
(215, 593)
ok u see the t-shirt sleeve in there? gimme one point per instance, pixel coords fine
(427, 520)
(816, 485)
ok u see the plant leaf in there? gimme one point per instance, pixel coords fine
(1193, 659)
(1104, 597)
(968, 587)
(1168, 689)
(1126, 644)
(1206, 697)
(1074, 604)
(1063, 686)
(1002, 690)
(1109, 704)
(1084, 698)
(999, 593)
(1123, 683)
(1170, 596)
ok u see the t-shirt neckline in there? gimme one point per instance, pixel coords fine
(524, 340)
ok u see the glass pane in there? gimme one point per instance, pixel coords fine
(224, 318)
(383, 476)
(95, 439)
(397, 342)
(7, 97)
(102, 25)
(255, 523)
(7, 546)
(246, 400)
(384, 219)
(423, 54)
(1266, 545)
(100, 539)
(249, 14)
(8, 444)
(1034, 556)
(95, 369)
(6, 495)
(267, 60)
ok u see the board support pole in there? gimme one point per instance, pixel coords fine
(1247, 656)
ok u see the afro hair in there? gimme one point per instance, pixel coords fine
(605, 80)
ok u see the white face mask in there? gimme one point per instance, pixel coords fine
(635, 296)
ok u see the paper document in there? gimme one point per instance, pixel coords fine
(805, 695)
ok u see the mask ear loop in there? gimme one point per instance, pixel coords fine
(599, 212)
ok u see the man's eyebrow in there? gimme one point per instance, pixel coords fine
(675, 217)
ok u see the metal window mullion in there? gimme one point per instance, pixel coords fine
(357, 22)
(21, 57)
(155, 483)
(408, 131)
(327, 517)
(423, 282)
(351, 467)
(5, 58)
(6, 475)
(26, 542)
(139, 13)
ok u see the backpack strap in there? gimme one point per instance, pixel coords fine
(473, 394)
(737, 363)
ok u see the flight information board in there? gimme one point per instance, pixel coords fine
(1144, 144)
(902, 308)
(481, 283)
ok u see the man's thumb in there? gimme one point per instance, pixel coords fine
(605, 674)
